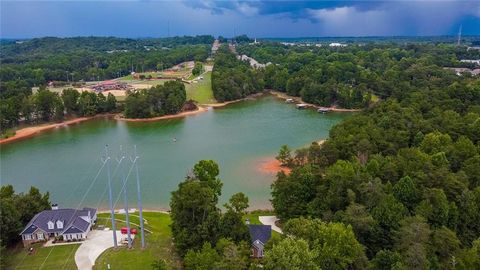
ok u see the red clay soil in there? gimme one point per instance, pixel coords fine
(272, 166)
(34, 130)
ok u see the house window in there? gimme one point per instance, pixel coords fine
(59, 224)
(27, 237)
(50, 225)
(40, 236)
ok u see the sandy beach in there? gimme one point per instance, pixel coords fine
(200, 109)
(32, 131)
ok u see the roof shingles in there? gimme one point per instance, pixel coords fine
(69, 217)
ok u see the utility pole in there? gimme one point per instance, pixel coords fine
(124, 181)
(139, 197)
(110, 202)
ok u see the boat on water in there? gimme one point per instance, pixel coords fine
(289, 100)
(323, 110)
(302, 106)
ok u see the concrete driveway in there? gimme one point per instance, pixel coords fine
(270, 220)
(96, 243)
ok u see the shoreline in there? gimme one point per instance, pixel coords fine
(284, 96)
(270, 165)
(27, 132)
(200, 109)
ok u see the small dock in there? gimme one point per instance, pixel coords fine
(323, 110)
(302, 106)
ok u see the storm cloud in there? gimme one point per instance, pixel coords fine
(21, 19)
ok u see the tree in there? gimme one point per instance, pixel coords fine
(290, 254)
(45, 103)
(226, 256)
(435, 207)
(445, 244)
(238, 203)
(389, 212)
(334, 244)
(386, 260)
(232, 225)
(70, 100)
(406, 192)
(411, 240)
(198, 69)
(284, 156)
(111, 103)
(291, 194)
(201, 260)
(88, 103)
(194, 212)
(17, 210)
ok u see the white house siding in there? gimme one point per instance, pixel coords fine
(71, 236)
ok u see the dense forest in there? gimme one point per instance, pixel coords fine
(232, 78)
(403, 176)
(45, 105)
(204, 236)
(17, 209)
(351, 76)
(36, 62)
(156, 101)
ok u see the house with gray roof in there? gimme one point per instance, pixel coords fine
(259, 234)
(71, 224)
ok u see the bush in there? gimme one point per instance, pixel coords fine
(8, 133)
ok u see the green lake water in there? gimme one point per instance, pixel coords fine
(239, 137)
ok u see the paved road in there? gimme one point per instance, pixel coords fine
(270, 220)
(96, 243)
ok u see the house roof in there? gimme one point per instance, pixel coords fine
(72, 229)
(69, 217)
(260, 232)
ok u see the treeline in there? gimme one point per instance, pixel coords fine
(50, 45)
(205, 237)
(36, 62)
(17, 209)
(45, 105)
(233, 79)
(159, 100)
(404, 175)
(83, 65)
(350, 77)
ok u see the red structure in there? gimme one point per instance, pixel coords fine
(124, 230)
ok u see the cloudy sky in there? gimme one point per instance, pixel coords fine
(256, 18)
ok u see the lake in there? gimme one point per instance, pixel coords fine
(239, 137)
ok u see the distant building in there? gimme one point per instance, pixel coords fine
(335, 44)
(72, 224)
(473, 61)
(259, 235)
(460, 71)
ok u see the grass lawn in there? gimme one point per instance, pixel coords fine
(58, 257)
(253, 217)
(159, 244)
(201, 91)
